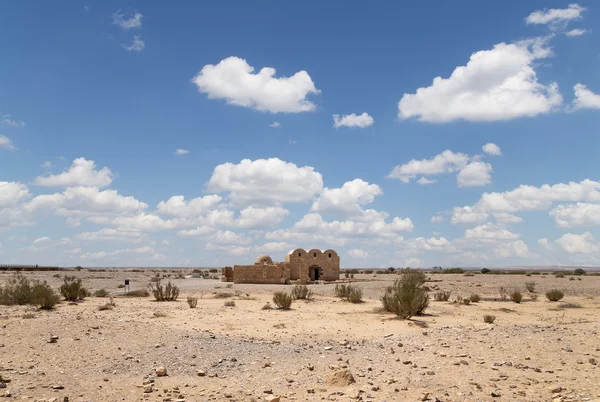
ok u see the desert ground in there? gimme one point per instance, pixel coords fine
(536, 350)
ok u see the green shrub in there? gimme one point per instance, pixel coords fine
(554, 295)
(579, 272)
(169, 292)
(368, 271)
(516, 296)
(44, 296)
(405, 297)
(485, 270)
(475, 298)
(192, 301)
(17, 290)
(101, 293)
(72, 289)
(530, 286)
(489, 318)
(342, 290)
(301, 292)
(282, 300)
(454, 271)
(442, 295)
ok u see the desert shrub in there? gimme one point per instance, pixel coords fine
(533, 296)
(222, 295)
(530, 286)
(282, 300)
(554, 295)
(466, 301)
(405, 297)
(192, 301)
(475, 298)
(229, 286)
(572, 278)
(169, 292)
(301, 292)
(355, 295)
(454, 271)
(559, 274)
(442, 295)
(342, 290)
(368, 271)
(17, 290)
(72, 289)
(138, 293)
(516, 296)
(213, 270)
(351, 276)
(485, 270)
(489, 318)
(267, 306)
(579, 271)
(469, 274)
(347, 274)
(229, 303)
(121, 286)
(100, 293)
(569, 305)
(44, 296)
(503, 293)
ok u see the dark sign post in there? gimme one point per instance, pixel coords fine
(126, 285)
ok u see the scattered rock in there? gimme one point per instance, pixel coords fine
(161, 371)
(272, 398)
(340, 378)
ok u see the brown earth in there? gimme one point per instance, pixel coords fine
(535, 350)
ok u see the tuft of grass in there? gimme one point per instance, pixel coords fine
(355, 295)
(489, 318)
(516, 296)
(351, 293)
(192, 301)
(301, 292)
(475, 298)
(442, 295)
(554, 295)
(282, 300)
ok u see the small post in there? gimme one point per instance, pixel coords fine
(126, 286)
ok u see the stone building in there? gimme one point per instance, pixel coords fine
(299, 265)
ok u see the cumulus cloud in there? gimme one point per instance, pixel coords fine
(6, 143)
(424, 181)
(265, 181)
(578, 244)
(556, 17)
(579, 214)
(576, 32)
(445, 162)
(11, 193)
(358, 253)
(82, 172)
(109, 234)
(127, 21)
(474, 174)
(136, 45)
(255, 217)
(274, 124)
(348, 199)
(492, 149)
(495, 85)
(352, 120)
(180, 151)
(584, 98)
(273, 247)
(490, 231)
(467, 216)
(177, 206)
(233, 80)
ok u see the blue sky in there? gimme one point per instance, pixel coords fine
(345, 140)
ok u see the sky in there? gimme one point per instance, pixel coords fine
(423, 134)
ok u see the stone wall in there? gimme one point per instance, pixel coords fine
(277, 273)
(301, 261)
(227, 274)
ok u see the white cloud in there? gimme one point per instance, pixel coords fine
(556, 17)
(7, 119)
(358, 253)
(576, 32)
(108, 234)
(352, 120)
(544, 243)
(256, 217)
(492, 149)
(229, 249)
(137, 44)
(497, 84)
(229, 237)
(489, 231)
(127, 21)
(348, 199)
(41, 240)
(274, 124)
(180, 151)
(467, 216)
(197, 232)
(6, 143)
(424, 181)
(81, 173)
(580, 214)
(474, 174)
(233, 79)
(511, 249)
(268, 181)
(584, 98)
(437, 219)
(11, 193)
(145, 223)
(273, 247)
(46, 165)
(102, 254)
(507, 219)
(177, 206)
(444, 162)
(578, 244)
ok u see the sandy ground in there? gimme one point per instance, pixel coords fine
(535, 350)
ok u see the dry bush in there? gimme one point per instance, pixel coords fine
(355, 295)
(72, 289)
(530, 286)
(342, 290)
(569, 305)
(229, 286)
(169, 292)
(159, 314)
(559, 274)
(192, 301)
(516, 296)
(20, 290)
(138, 293)
(503, 293)
(301, 292)
(44, 296)
(554, 295)
(282, 300)
(405, 297)
(442, 295)
(475, 298)
(267, 306)
(229, 303)
(100, 293)
(466, 301)
(469, 274)
(489, 318)
(222, 295)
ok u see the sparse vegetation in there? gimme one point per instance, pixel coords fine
(100, 293)
(569, 305)
(559, 274)
(44, 296)
(267, 306)
(530, 286)
(516, 296)
(282, 300)
(169, 292)
(442, 295)
(301, 292)
(355, 295)
(554, 295)
(405, 297)
(351, 293)
(72, 289)
(19, 290)
(485, 270)
(454, 271)
(475, 298)
(192, 301)
(489, 318)
(229, 303)
(138, 293)
(579, 272)
(503, 293)
(466, 301)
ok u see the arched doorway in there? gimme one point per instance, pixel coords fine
(314, 272)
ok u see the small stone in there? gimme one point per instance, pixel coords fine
(495, 394)
(593, 361)
(340, 378)
(555, 389)
(161, 371)
(201, 373)
(58, 387)
(272, 398)
(430, 372)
